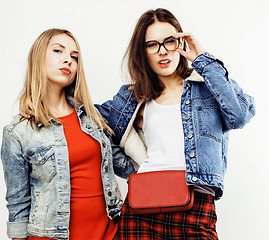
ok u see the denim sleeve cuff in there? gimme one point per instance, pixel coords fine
(17, 229)
(201, 61)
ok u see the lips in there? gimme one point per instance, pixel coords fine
(164, 62)
(65, 70)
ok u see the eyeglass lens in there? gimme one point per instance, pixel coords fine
(169, 44)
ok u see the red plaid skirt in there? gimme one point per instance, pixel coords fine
(196, 223)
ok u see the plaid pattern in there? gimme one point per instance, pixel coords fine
(198, 223)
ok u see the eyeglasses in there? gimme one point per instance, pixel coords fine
(170, 44)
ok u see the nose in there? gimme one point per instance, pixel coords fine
(162, 50)
(67, 59)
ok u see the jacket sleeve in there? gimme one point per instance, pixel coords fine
(104, 109)
(123, 165)
(236, 107)
(16, 173)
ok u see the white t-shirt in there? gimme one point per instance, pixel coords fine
(163, 131)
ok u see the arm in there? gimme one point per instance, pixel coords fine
(16, 172)
(118, 111)
(123, 165)
(104, 109)
(236, 107)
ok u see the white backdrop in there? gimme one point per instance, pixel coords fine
(234, 31)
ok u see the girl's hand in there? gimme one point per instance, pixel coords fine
(195, 48)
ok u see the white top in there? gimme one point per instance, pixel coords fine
(163, 130)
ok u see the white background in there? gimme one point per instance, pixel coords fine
(236, 31)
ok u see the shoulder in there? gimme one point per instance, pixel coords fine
(126, 89)
(125, 95)
(16, 122)
(17, 127)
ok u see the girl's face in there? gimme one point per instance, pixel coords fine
(164, 63)
(61, 61)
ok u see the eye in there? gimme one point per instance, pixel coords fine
(151, 44)
(57, 50)
(170, 41)
(75, 58)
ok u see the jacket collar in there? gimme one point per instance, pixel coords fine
(78, 107)
(195, 77)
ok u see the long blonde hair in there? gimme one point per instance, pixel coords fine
(33, 94)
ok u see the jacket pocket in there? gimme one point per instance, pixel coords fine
(210, 122)
(43, 164)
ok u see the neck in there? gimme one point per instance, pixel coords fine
(172, 81)
(173, 88)
(58, 104)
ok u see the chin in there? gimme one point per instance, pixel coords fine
(167, 73)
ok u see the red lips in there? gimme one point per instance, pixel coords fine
(65, 70)
(164, 63)
(164, 60)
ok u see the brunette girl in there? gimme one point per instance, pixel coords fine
(173, 117)
(58, 163)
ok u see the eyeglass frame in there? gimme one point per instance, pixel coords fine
(162, 44)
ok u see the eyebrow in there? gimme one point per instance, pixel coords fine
(163, 40)
(63, 47)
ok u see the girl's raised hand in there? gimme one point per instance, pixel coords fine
(195, 48)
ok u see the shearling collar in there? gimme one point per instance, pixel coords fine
(195, 77)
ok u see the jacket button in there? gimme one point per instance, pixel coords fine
(104, 144)
(190, 136)
(194, 179)
(188, 117)
(192, 155)
(64, 188)
(39, 158)
(109, 193)
(187, 102)
(106, 168)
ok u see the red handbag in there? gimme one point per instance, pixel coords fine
(160, 191)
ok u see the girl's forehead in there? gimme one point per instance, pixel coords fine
(63, 40)
(158, 31)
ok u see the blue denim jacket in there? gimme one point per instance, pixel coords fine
(211, 105)
(37, 175)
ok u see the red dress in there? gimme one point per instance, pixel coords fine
(88, 218)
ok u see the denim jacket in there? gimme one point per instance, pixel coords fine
(211, 105)
(37, 175)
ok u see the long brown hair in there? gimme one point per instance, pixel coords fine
(36, 84)
(146, 84)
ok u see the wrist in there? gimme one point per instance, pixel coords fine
(201, 61)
